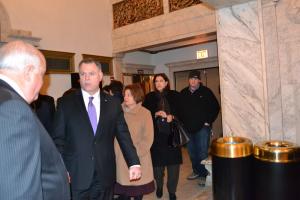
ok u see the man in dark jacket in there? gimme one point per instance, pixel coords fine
(85, 125)
(199, 110)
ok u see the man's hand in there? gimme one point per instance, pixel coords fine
(69, 177)
(135, 173)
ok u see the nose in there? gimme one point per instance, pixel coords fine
(86, 77)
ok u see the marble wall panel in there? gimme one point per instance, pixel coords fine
(288, 22)
(241, 71)
(259, 49)
(270, 62)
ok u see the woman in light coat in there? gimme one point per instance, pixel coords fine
(140, 125)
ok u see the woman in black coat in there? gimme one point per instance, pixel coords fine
(163, 104)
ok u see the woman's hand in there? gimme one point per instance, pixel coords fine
(170, 118)
(161, 113)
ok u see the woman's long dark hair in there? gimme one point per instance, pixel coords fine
(164, 76)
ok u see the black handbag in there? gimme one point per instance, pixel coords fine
(178, 136)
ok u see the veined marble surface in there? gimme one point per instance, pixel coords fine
(288, 20)
(241, 71)
(259, 56)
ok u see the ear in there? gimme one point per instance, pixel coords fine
(101, 75)
(29, 72)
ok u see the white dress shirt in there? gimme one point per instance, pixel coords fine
(96, 101)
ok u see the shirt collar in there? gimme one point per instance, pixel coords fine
(86, 95)
(193, 90)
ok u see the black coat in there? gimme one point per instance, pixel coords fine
(84, 153)
(162, 154)
(198, 108)
(44, 108)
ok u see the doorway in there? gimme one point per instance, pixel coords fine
(145, 80)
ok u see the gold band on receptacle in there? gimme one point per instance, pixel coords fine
(277, 151)
(232, 147)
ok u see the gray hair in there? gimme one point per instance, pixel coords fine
(17, 55)
(90, 61)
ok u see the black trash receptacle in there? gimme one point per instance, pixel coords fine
(232, 168)
(277, 171)
(232, 160)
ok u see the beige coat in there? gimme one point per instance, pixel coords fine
(140, 125)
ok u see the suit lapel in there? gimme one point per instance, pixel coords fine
(83, 112)
(103, 110)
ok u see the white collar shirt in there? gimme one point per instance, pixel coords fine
(96, 101)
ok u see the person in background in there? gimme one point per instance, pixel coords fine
(199, 109)
(85, 125)
(30, 167)
(44, 107)
(106, 89)
(140, 125)
(116, 89)
(164, 104)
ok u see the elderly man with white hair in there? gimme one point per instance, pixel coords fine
(30, 167)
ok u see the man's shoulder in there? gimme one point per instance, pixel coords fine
(184, 90)
(109, 98)
(7, 94)
(46, 98)
(204, 89)
(70, 96)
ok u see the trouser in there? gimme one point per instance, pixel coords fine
(123, 197)
(198, 149)
(94, 192)
(172, 179)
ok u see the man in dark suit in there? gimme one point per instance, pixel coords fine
(30, 166)
(85, 126)
(44, 108)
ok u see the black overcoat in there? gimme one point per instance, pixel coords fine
(162, 154)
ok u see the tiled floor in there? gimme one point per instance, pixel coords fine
(186, 189)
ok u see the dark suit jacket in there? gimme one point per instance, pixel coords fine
(30, 167)
(85, 153)
(44, 108)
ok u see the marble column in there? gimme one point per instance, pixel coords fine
(241, 71)
(259, 59)
(117, 66)
(271, 68)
